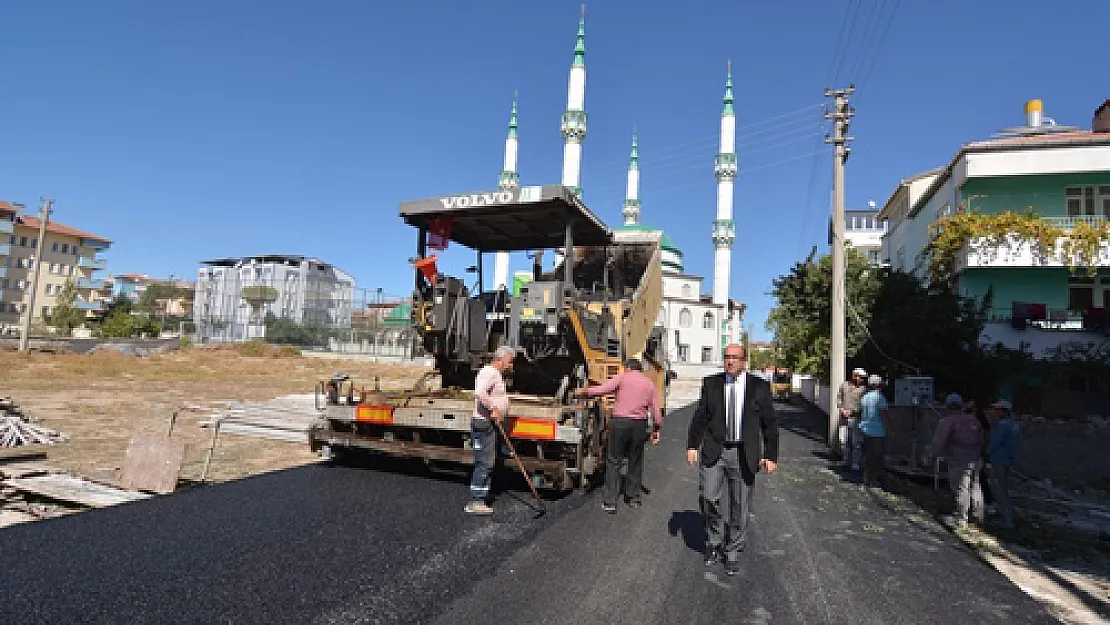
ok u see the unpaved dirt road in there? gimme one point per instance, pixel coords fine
(100, 399)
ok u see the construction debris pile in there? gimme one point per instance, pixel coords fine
(16, 428)
(283, 418)
(31, 489)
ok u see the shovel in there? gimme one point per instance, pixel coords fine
(523, 471)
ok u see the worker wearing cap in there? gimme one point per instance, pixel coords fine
(848, 399)
(1000, 454)
(959, 437)
(637, 401)
(874, 411)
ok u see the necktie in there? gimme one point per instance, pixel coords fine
(732, 412)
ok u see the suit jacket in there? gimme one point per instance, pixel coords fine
(757, 421)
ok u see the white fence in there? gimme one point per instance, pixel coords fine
(814, 393)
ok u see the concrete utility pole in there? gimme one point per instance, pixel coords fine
(841, 115)
(44, 218)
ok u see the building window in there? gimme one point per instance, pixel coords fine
(706, 355)
(873, 257)
(685, 319)
(707, 322)
(22, 241)
(1081, 294)
(65, 248)
(683, 353)
(1088, 201)
(50, 289)
(54, 247)
(686, 290)
(34, 242)
(900, 259)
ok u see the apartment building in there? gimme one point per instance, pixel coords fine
(235, 296)
(864, 230)
(67, 254)
(1060, 173)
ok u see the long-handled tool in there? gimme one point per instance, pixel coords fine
(523, 471)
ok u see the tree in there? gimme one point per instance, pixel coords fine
(917, 330)
(154, 295)
(801, 317)
(761, 359)
(66, 316)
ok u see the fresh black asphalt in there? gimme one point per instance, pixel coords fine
(388, 543)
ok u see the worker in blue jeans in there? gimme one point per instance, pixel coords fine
(1001, 451)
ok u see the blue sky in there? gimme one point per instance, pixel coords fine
(192, 130)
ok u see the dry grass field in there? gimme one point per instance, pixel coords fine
(100, 399)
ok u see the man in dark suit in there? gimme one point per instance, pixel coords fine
(735, 432)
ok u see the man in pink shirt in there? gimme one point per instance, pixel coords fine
(959, 437)
(491, 405)
(637, 400)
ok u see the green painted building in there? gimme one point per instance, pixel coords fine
(1061, 174)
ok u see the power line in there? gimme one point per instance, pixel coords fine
(743, 171)
(848, 40)
(713, 138)
(879, 47)
(863, 40)
(871, 338)
(701, 153)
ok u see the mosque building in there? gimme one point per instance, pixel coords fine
(697, 325)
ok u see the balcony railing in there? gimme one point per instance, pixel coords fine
(1068, 223)
(5, 249)
(6, 227)
(81, 304)
(3, 272)
(88, 283)
(92, 263)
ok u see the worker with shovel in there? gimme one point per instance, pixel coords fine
(491, 405)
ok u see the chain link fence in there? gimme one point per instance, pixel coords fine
(323, 316)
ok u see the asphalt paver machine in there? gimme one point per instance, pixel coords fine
(570, 326)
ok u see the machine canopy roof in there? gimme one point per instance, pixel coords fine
(511, 220)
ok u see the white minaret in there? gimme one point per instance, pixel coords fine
(724, 232)
(574, 118)
(631, 208)
(508, 180)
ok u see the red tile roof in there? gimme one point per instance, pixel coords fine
(6, 207)
(57, 228)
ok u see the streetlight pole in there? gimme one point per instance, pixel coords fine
(44, 218)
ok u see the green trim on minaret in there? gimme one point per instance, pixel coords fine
(512, 119)
(580, 41)
(634, 157)
(728, 91)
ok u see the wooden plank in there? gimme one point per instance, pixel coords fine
(75, 490)
(15, 517)
(244, 429)
(23, 452)
(153, 463)
(25, 468)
